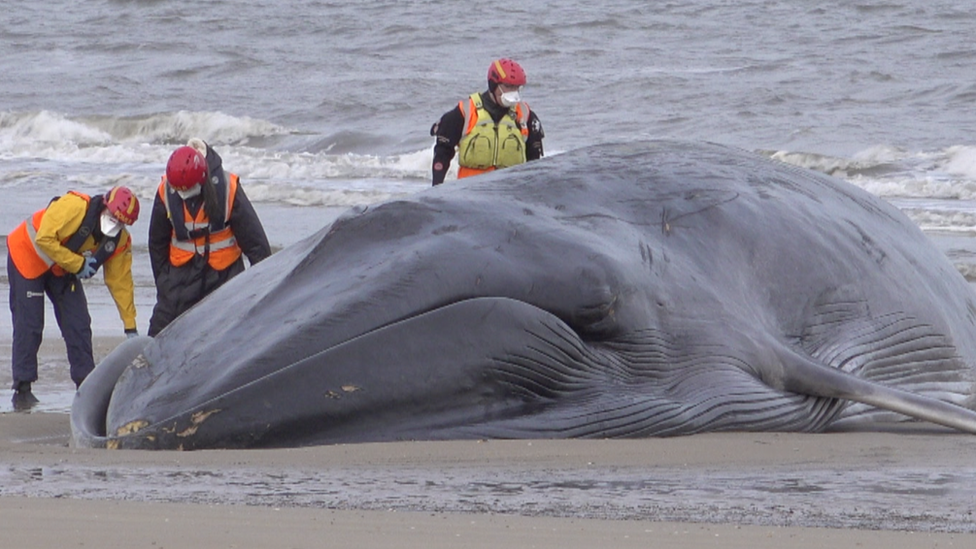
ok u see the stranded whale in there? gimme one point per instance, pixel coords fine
(621, 290)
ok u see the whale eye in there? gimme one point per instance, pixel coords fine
(593, 314)
(595, 321)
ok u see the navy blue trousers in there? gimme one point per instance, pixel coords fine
(27, 311)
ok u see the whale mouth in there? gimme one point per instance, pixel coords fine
(94, 396)
(387, 384)
(478, 368)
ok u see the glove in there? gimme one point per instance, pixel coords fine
(129, 334)
(88, 269)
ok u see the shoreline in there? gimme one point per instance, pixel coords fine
(27, 523)
(757, 490)
(817, 487)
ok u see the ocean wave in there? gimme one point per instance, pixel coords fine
(309, 196)
(875, 161)
(302, 179)
(961, 161)
(49, 148)
(892, 172)
(18, 130)
(339, 169)
(967, 270)
(942, 221)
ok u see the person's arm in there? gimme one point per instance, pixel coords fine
(160, 233)
(61, 220)
(447, 134)
(118, 278)
(533, 143)
(248, 229)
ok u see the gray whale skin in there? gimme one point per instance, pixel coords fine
(620, 290)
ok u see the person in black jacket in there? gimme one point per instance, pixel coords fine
(489, 130)
(201, 226)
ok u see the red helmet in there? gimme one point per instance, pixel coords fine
(122, 204)
(186, 168)
(506, 71)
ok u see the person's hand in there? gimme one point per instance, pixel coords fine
(88, 269)
(129, 334)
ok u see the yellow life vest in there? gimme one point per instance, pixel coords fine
(485, 145)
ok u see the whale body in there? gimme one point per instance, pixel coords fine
(621, 290)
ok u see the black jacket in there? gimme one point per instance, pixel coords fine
(179, 288)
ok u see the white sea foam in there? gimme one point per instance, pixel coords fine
(890, 172)
(821, 163)
(962, 162)
(279, 164)
(942, 221)
(54, 136)
(47, 148)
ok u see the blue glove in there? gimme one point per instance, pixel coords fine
(88, 269)
(129, 334)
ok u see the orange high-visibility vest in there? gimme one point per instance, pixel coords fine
(222, 244)
(29, 259)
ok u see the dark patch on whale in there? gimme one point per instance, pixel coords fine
(621, 290)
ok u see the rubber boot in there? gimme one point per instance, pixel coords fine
(24, 399)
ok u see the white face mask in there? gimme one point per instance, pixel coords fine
(109, 225)
(509, 99)
(190, 193)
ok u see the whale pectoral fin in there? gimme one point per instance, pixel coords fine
(894, 348)
(890, 361)
(803, 375)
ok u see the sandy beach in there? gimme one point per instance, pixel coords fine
(911, 486)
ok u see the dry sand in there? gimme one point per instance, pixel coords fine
(909, 487)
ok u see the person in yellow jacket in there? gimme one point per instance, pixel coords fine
(202, 224)
(488, 130)
(50, 253)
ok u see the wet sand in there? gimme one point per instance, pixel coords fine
(911, 486)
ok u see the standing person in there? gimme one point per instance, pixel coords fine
(489, 130)
(201, 225)
(50, 253)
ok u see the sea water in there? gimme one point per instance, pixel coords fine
(320, 105)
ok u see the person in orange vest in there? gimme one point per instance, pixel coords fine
(201, 225)
(51, 253)
(488, 130)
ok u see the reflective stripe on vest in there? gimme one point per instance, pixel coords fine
(485, 145)
(219, 247)
(33, 223)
